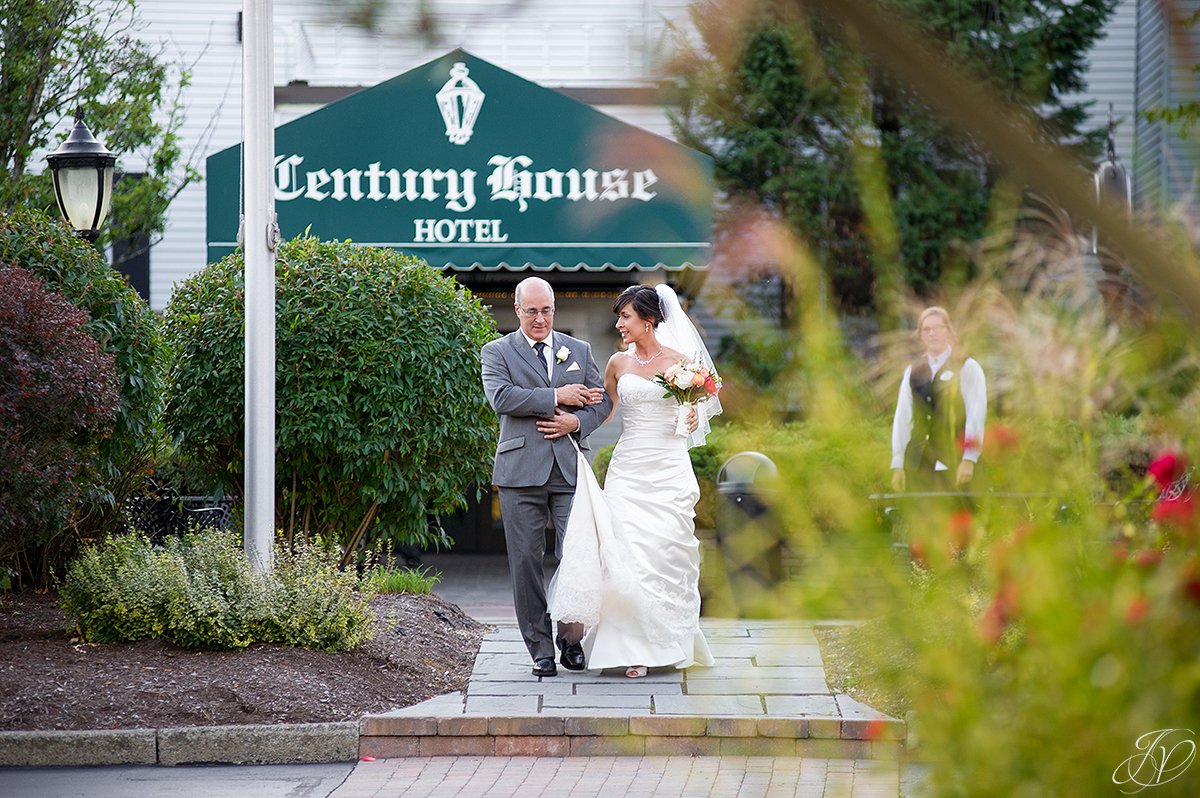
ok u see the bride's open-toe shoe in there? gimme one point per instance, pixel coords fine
(636, 671)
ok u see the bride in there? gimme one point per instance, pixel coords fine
(631, 562)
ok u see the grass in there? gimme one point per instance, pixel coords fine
(402, 580)
(848, 651)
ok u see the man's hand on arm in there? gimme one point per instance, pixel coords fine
(898, 480)
(562, 424)
(966, 472)
(577, 395)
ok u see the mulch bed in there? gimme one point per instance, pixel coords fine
(423, 647)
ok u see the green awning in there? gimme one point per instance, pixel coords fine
(470, 167)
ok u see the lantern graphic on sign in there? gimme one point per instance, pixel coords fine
(459, 101)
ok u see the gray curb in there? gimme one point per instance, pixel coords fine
(281, 744)
(50, 748)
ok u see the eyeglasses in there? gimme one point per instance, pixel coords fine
(533, 312)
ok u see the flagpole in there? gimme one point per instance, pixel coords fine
(260, 236)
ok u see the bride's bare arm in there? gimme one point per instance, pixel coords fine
(612, 373)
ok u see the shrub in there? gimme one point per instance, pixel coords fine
(115, 591)
(58, 395)
(199, 592)
(382, 421)
(315, 604)
(125, 327)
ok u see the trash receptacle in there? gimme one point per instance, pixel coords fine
(748, 541)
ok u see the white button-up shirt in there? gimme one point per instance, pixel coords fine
(547, 353)
(974, 393)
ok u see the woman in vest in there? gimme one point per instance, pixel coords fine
(937, 433)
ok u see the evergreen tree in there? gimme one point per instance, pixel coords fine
(797, 118)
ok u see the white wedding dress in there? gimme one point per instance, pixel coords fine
(631, 562)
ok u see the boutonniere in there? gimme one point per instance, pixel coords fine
(562, 354)
(947, 376)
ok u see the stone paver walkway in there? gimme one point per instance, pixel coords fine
(761, 723)
(762, 667)
(643, 777)
(766, 696)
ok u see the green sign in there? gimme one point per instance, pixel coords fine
(467, 166)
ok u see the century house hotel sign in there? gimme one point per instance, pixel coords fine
(470, 167)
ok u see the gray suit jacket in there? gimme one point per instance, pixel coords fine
(520, 393)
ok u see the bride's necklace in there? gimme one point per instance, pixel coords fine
(647, 361)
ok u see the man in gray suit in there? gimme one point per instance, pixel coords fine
(544, 386)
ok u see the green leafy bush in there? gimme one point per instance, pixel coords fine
(314, 603)
(125, 327)
(116, 590)
(382, 421)
(199, 592)
(211, 598)
(58, 395)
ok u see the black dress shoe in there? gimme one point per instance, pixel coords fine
(544, 666)
(572, 655)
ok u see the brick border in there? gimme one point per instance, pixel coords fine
(646, 735)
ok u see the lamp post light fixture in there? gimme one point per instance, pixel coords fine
(83, 179)
(1111, 180)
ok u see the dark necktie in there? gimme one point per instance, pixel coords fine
(540, 348)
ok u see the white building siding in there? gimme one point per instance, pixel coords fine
(601, 43)
(591, 43)
(1165, 162)
(1110, 78)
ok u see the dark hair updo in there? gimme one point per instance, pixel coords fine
(645, 303)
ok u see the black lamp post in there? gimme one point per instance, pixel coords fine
(83, 178)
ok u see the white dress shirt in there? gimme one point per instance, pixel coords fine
(973, 386)
(547, 353)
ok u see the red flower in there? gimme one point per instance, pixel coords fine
(996, 617)
(875, 728)
(1136, 610)
(1120, 550)
(1001, 438)
(1022, 531)
(959, 530)
(1148, 558)
(918, 554)
(1178, 511)
(1190, 582)
(1167, 467)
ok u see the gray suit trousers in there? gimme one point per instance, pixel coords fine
(528, 512)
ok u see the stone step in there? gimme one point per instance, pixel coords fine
(403, 734)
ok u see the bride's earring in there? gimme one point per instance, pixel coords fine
(647, 326)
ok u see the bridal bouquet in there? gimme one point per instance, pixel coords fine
(688, 383)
